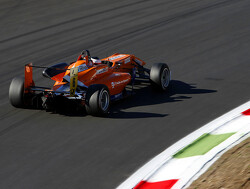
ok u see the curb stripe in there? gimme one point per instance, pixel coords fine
(202, 145)
(247, 112)
(167, 184)
(220, 134)
(174, 169)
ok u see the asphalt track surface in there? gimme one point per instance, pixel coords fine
(206, 44)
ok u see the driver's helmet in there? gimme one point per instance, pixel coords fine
(96, 60)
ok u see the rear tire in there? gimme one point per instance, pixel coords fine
(16, 92)
(97, 100)
(160, 76)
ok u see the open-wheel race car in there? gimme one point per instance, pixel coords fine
(89, 82)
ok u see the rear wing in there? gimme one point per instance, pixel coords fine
(29, 84)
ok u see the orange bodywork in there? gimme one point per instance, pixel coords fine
(126, 61)
(115, 77)
(28, 77)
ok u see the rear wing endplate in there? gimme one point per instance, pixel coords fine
(28, 77)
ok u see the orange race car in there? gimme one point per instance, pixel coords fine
(89, 82)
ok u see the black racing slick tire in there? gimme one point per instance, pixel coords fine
(97, 100)
(160, 76)
(16, 92)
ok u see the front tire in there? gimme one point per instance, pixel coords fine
(160, 76)
(97, 100)
(16, 92)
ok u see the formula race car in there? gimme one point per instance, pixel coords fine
(89, 82)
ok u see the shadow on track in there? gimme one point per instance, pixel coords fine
(145, 96)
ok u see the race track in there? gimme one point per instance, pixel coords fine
(205, 43)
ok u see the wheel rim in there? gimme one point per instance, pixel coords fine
(104, 100)
(165, 78)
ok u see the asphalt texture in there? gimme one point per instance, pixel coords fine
(205, 43)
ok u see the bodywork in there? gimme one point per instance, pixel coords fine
(72, 80)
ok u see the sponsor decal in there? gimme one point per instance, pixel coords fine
(127, 60)
(82, 68)
(101, 70)
(113, 84)
(116, 57)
